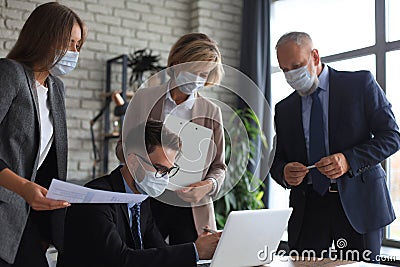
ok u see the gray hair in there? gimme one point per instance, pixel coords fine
(300, 38)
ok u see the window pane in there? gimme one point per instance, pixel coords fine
(392, 20)
(393, 94)
(279, 88)
(278, 197)
(354, 64)
(334, 25)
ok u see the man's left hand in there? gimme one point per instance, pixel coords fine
(195, 192)
(333, 166)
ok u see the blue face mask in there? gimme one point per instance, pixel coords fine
(302, 80)
(66, 64)
(189, 83)
(152, 186)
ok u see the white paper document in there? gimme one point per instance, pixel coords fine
(73, 193)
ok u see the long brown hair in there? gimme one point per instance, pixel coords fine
(45, 36)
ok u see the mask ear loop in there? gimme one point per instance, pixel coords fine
(312, 53)
(133, 173)
(309, 59)
(316, 81)
(139, 160)
(59, 56)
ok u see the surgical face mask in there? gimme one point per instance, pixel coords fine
(189, 83)
(301, 80)
(151, 185)
(66, 64)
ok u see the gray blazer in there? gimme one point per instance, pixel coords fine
(20, 143)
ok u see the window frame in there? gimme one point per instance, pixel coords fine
(380, 49)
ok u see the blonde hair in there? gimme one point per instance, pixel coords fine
(197, 47)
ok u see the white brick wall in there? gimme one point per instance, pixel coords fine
(117, 27)
(220, 19)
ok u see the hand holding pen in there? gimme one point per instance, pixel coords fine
(208, 230)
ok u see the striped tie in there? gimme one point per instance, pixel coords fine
(136, 233)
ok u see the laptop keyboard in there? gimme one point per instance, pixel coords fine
(203, 265)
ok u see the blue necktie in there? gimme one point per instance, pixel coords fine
(317, 144)
(136, 233)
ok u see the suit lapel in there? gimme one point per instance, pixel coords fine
(117, 185)
(297, 121)
(333, 102)
(57, 109)
(157, 110)
(32, 87)
(30, 77)
(198, 111)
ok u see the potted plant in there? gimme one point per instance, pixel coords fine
(141, 61)
(241, 197)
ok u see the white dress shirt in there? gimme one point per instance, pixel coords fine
(46, 122)
(183, 110)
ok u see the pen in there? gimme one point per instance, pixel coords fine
(208, 230)
(311, 167)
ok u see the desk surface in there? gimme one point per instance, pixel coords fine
(287, 262)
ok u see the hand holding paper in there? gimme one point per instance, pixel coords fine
(73, 193)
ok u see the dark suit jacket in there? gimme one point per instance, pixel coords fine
(362, 127)
(99, 235)
(19, 145)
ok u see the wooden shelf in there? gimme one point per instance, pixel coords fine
(108, 133)
(111, 135)
(129, 94)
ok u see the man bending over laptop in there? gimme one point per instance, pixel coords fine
(125, 234)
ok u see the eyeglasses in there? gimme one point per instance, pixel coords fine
(161, 171)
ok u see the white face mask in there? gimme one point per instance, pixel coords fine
(151, 185)
(66, 64)
(189, 83)
(302, 81)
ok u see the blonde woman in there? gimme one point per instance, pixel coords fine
(33, 147)
(181, 97)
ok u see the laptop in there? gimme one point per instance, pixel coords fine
(250, 238)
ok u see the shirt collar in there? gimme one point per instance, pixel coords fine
(127, 190)
(188, 103)
(324, 78)
(38, 85)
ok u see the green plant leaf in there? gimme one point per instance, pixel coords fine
(240, 197)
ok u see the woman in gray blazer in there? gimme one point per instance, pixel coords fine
(33, 146)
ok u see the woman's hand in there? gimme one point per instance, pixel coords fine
(195, 192)
(35, 195)
(32, 193)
